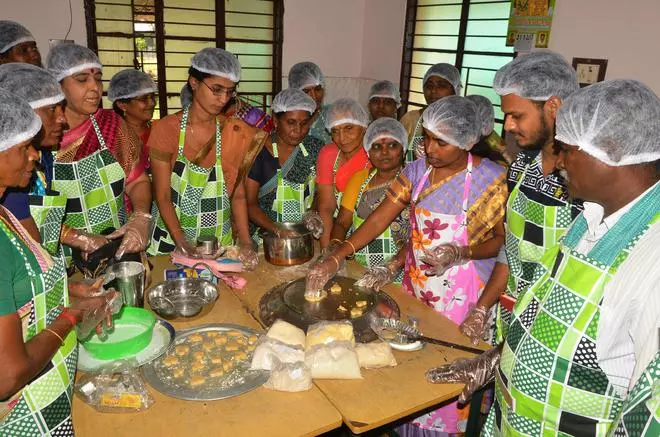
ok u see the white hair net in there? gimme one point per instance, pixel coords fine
(217, 62)
(292, 99)
(486, 113)
(446, 71)
(616, 122)
(385, 128)
(13, 34)
(33, 84)
(537, 76)
(186, 96)
(387, 90)
(454, 120)
(130, 83)
(18, 122)
(65, 60)
(344, 111)
(304, 75)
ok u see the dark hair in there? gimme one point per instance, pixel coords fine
(116, 107)
(483, 150)
(199, 75)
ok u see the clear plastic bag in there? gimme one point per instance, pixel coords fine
(291, 377)
(116, 389)
(92, 319)
(270, 351)
(336, 360)
(287, 333)
(375, 355)
(328, 332)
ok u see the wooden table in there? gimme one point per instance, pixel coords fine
(384, 395)
(259, 412)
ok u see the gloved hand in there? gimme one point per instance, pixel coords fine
(312, 221)
(135, 234)
(189, 250)
(320, 274)
(442, 257)
(473, 372)
(330, 249)
(282, 232)
(81, 240)
(474, 325)
(379, 276)
(248, 256)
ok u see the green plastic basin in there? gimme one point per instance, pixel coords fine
(133, 330)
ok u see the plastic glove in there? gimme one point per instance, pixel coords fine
(80, 289)
(98, 308)
(312, 221)
(282, 232)
(320, 274)
(473, 372)
(135, 234)
(379, 276)
(474, 325)
(82, 241)
(189, 250)
(442, 257)
(329, 249)
(248, 256)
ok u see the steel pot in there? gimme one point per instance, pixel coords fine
(288, 251)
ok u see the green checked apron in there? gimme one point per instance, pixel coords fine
(199, 197)
(549, 382)
(43, 406)
(290, 200)
(338, 194)
(525, 217)
(383, 247)
(48, 212)
(94, 188)
(415, 141)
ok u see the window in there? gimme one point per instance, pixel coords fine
(470, 34)
(160, 36)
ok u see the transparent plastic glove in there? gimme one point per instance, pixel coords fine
(248, 256)
(92, 311)
(442, 257)
(82, 240)
(319, 275)
(312, 221)
(474, 325)
(135, 234)
(189, 250)
(329, 250)
(379, 276)
(282, 232)
(473, 372)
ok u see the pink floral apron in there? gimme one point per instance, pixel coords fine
(451, 293)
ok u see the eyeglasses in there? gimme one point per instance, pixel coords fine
(220, 91)
(147, 98)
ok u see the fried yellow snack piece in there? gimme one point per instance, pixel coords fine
(253, 339)
(197, 367)
(227, 365)
(208, 346)
(197, 380)
(241, 340)
(182, 350)
(199, 355)
(218, 371)
(195, 338)
(178, 372)
(231, 347)
(335, 289)
(361, 303)
(217, 359)
(170, 360)
(220, 340)
(240, 356)
(233, 333)
(356, 312)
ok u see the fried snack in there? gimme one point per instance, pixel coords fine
(335, 289)
(170, 361)
(195, 338)
(217, 359)
(227, 366)
(212, 334)
(218, 371)
(356, 312)
(232, 347)
(240, 356)
(197, 380)
(253, 339)
(178, 372)
(220, 340)
(234, 334)
(182, 350)
(199, 355)
(361, 303)
(207, 346)
(241, 340)
(197, 367)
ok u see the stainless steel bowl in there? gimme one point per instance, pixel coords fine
(288, 251)
(181, 297)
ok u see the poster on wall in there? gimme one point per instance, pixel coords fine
(530, 20)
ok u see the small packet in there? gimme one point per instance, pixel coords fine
(270, 351)
(290, 377)
(328, 332)
(336, 360)
(287, 333)
(116, 389)
(375, 355)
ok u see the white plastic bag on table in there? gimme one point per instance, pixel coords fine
(270, 351)
(328, 332)
(375, 355)
(336, 360)
(287, 333)
(291, 377)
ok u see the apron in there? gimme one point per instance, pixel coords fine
(549, 381)
(380, 249)
(338, 194)
(522, 214)
(199, 197)
(43, 406)
(291, 202)
(450, 294)
(48, 212)
(415, 140)
(94, 188)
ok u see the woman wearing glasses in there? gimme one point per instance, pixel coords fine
(199, 159)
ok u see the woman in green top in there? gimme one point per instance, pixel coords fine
(37, 310)
(308, 77)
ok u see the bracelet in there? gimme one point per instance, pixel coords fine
(59, 337)
(68, 316)
(352, 246)
(334, 258)
(337, 240)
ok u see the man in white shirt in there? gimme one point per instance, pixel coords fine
(581, 355)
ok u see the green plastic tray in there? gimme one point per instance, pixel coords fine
(133, 329)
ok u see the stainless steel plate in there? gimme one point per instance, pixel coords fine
(240, 380)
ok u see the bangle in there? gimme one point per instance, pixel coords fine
(352, 246)
(68, 316)
(59, 337)
(337, 240)
(334, 258)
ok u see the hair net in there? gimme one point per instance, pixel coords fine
(385, 89)
(537, 76)
(130, 83)
(33, 84)
(485, 112)
(13, 34)
(217, 62)
(186, 96)
(346, 110)
(18, 122)
(446, 71)
(454, 120)
(65, 60)
(293, 99)
(385, 128)
(615, 121)
(304, 75)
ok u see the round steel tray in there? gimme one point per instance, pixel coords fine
(247, 379)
